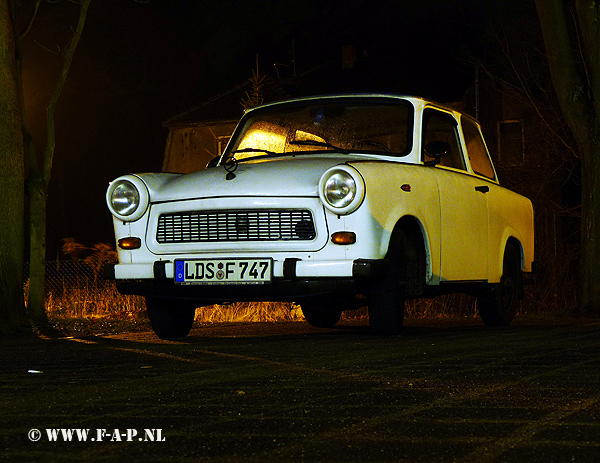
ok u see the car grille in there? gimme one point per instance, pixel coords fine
(235, 225)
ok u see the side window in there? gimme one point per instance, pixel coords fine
(476, 150)
(438, 126)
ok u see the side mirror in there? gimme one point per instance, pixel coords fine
(437, 150)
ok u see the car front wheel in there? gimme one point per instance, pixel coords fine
(388, 293)
(170, 319)
(321, 313)
(498, 306)
(386, 306)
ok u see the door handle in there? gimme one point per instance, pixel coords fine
(482, 189)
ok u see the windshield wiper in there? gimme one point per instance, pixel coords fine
(323, 144)
(256, 150)
(347, 151)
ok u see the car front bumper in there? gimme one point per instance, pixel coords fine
(292, 280)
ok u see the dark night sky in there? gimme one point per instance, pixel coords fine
(140, 63)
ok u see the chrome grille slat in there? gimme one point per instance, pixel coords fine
(235, 225)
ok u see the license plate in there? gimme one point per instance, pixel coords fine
(223, 271)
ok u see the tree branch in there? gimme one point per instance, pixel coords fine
(588, 16)
(51, 106)
(568, 83)
(36, 7)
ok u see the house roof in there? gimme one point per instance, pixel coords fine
(226, 106)
(367, 75)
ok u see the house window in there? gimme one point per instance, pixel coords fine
(510, 143)
(222, 143)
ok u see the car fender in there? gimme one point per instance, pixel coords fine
(511, 217)
(397, 190)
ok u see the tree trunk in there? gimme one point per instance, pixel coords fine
(37, 253)
(590, 229)
(38, 181)
(12, 309)
(576, 80)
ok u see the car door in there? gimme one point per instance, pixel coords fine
(463, 204)
(502, 212)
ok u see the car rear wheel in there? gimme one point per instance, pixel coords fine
(170, 319)
(498, 306)
(321, 313)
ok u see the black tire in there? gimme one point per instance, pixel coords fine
(386, 311)
(170, 319)
(388, 294)
(323, 313)
(498, 306)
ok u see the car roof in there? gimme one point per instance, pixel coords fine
(411, 98)
(417, 101)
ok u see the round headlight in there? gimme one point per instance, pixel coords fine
(341, 189)
(127, 198)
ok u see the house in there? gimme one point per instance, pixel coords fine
(198, 135)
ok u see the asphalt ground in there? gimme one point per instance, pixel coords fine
(446, 390)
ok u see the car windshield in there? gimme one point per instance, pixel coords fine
(357, 125)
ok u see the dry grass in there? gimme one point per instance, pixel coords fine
(250, 312)
(77, 291)
(104, 301)
(443, 306)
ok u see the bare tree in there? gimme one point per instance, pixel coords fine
(16, 149)
(255, 97)
(12, 309)
(39, 179)
(571, 32)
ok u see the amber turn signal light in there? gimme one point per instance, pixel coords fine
(130, 243)
(344, 237)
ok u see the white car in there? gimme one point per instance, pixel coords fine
(334, 202)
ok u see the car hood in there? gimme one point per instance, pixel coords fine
(285, 176)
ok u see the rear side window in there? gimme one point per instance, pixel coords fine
(476, 150)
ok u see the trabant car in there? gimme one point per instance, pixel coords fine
(335, 203)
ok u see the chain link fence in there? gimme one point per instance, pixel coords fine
(75, 288)
(63, 276)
